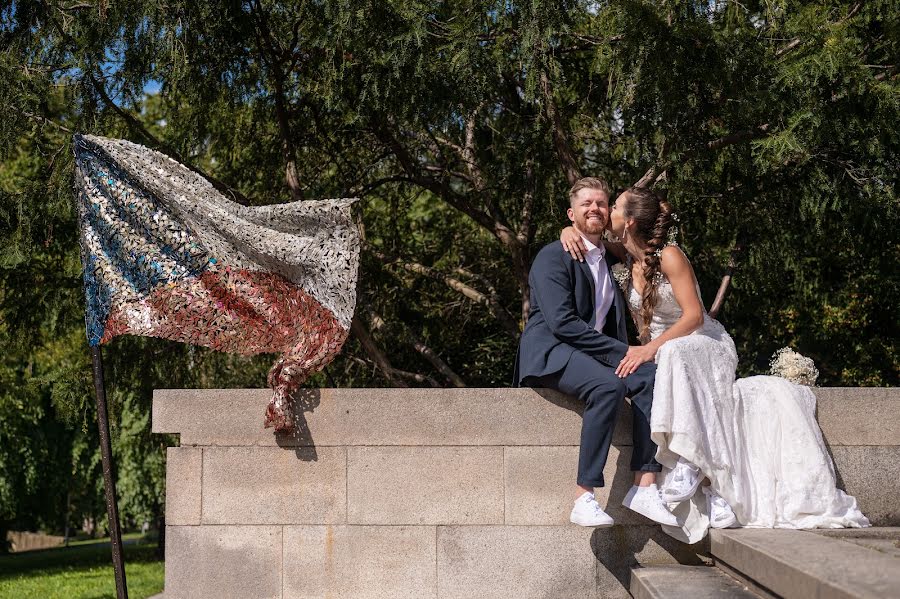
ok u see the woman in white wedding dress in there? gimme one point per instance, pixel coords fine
(755, 440)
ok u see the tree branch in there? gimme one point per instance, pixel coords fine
(276, 73)
(433, 185)
(368, 188)
(791, 45)
(45, 120)
(491, 302)
(468, 154)
(560, 140)
(658, 170)
(736, 138)
(396, 372)
(650, 177)
(417, 377)
(137, 126)
(427, 352)
(526, 224)
(719, 301)
(375, 353)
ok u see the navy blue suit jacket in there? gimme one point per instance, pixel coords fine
(562, 317)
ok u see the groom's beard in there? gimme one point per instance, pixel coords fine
(588, 226)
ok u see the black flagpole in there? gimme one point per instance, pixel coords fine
(109, 482)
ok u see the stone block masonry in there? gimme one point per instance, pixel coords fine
(434, 493)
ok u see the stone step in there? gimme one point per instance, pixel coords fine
(678, 582)
(885, 539)
(803, 564)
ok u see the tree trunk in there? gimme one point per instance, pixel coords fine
(161, 540)
(4, 543)
(288, 151)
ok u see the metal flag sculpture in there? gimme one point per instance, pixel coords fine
(166, 255)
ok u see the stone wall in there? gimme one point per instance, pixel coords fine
(433, 493)
(30, 541)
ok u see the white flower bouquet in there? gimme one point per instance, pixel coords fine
(794, 367)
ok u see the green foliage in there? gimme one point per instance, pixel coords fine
(776, 124)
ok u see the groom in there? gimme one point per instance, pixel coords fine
(573, 342)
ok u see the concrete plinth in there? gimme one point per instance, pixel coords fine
(434, 493)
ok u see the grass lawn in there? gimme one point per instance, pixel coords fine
(81, 571)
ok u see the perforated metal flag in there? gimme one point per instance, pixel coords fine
(166, 255)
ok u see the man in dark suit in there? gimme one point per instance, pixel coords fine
(574, 340)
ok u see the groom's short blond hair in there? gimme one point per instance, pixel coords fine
(589, 183)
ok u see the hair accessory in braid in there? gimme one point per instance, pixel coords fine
(671, 236)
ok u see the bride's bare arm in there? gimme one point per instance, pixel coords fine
(677, 269)
(573, 243)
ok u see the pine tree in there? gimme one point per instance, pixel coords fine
(772, 127)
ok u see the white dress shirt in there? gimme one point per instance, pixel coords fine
(604, 292)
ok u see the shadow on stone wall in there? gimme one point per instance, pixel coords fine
(625, 546)
(563, 401)
(634, 539)
(300, 438)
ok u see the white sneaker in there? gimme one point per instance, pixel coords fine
(587, 512)
(720, 513)
(648, 502)
(682, 482)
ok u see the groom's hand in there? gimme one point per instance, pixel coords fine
(634, 357)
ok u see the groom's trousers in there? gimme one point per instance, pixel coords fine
(602, 392)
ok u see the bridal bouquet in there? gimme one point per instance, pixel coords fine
(794, 367)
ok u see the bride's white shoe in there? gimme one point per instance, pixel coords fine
(682, 483)
(720, 513)
(648, 502)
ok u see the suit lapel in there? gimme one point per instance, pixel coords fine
(586, 270)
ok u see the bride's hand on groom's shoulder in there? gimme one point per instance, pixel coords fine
(634, 357)
(573, 243)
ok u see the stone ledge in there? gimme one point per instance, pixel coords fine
(539, 484)
(345, 417)
(503, 416)
(550, 561)
(859, 415)
(344, 561)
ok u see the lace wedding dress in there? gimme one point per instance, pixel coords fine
(756, 439)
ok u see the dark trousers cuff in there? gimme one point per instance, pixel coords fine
(591, 482)
(654, 467)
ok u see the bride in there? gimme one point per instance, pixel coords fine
(746, 452)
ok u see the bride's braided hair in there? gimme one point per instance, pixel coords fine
(652, 219)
